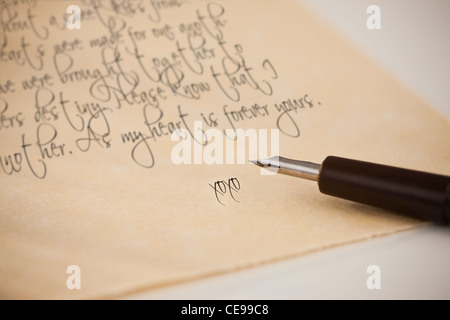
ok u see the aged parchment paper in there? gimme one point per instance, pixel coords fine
(133, 220)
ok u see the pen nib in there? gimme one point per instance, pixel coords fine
(295, 168)
(256, 162)
(261, 163)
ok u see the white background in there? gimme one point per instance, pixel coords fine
(414, 45)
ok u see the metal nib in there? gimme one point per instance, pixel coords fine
(296, 168)
(269, 162)
(260, 163)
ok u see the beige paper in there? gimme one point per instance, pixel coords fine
(130, 228)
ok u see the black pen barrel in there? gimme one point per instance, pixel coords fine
(417, 194)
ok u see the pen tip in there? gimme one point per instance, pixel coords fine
(256, 162)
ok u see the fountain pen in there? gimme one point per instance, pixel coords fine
(418, 194)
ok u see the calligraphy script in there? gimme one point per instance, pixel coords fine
(155, 60)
